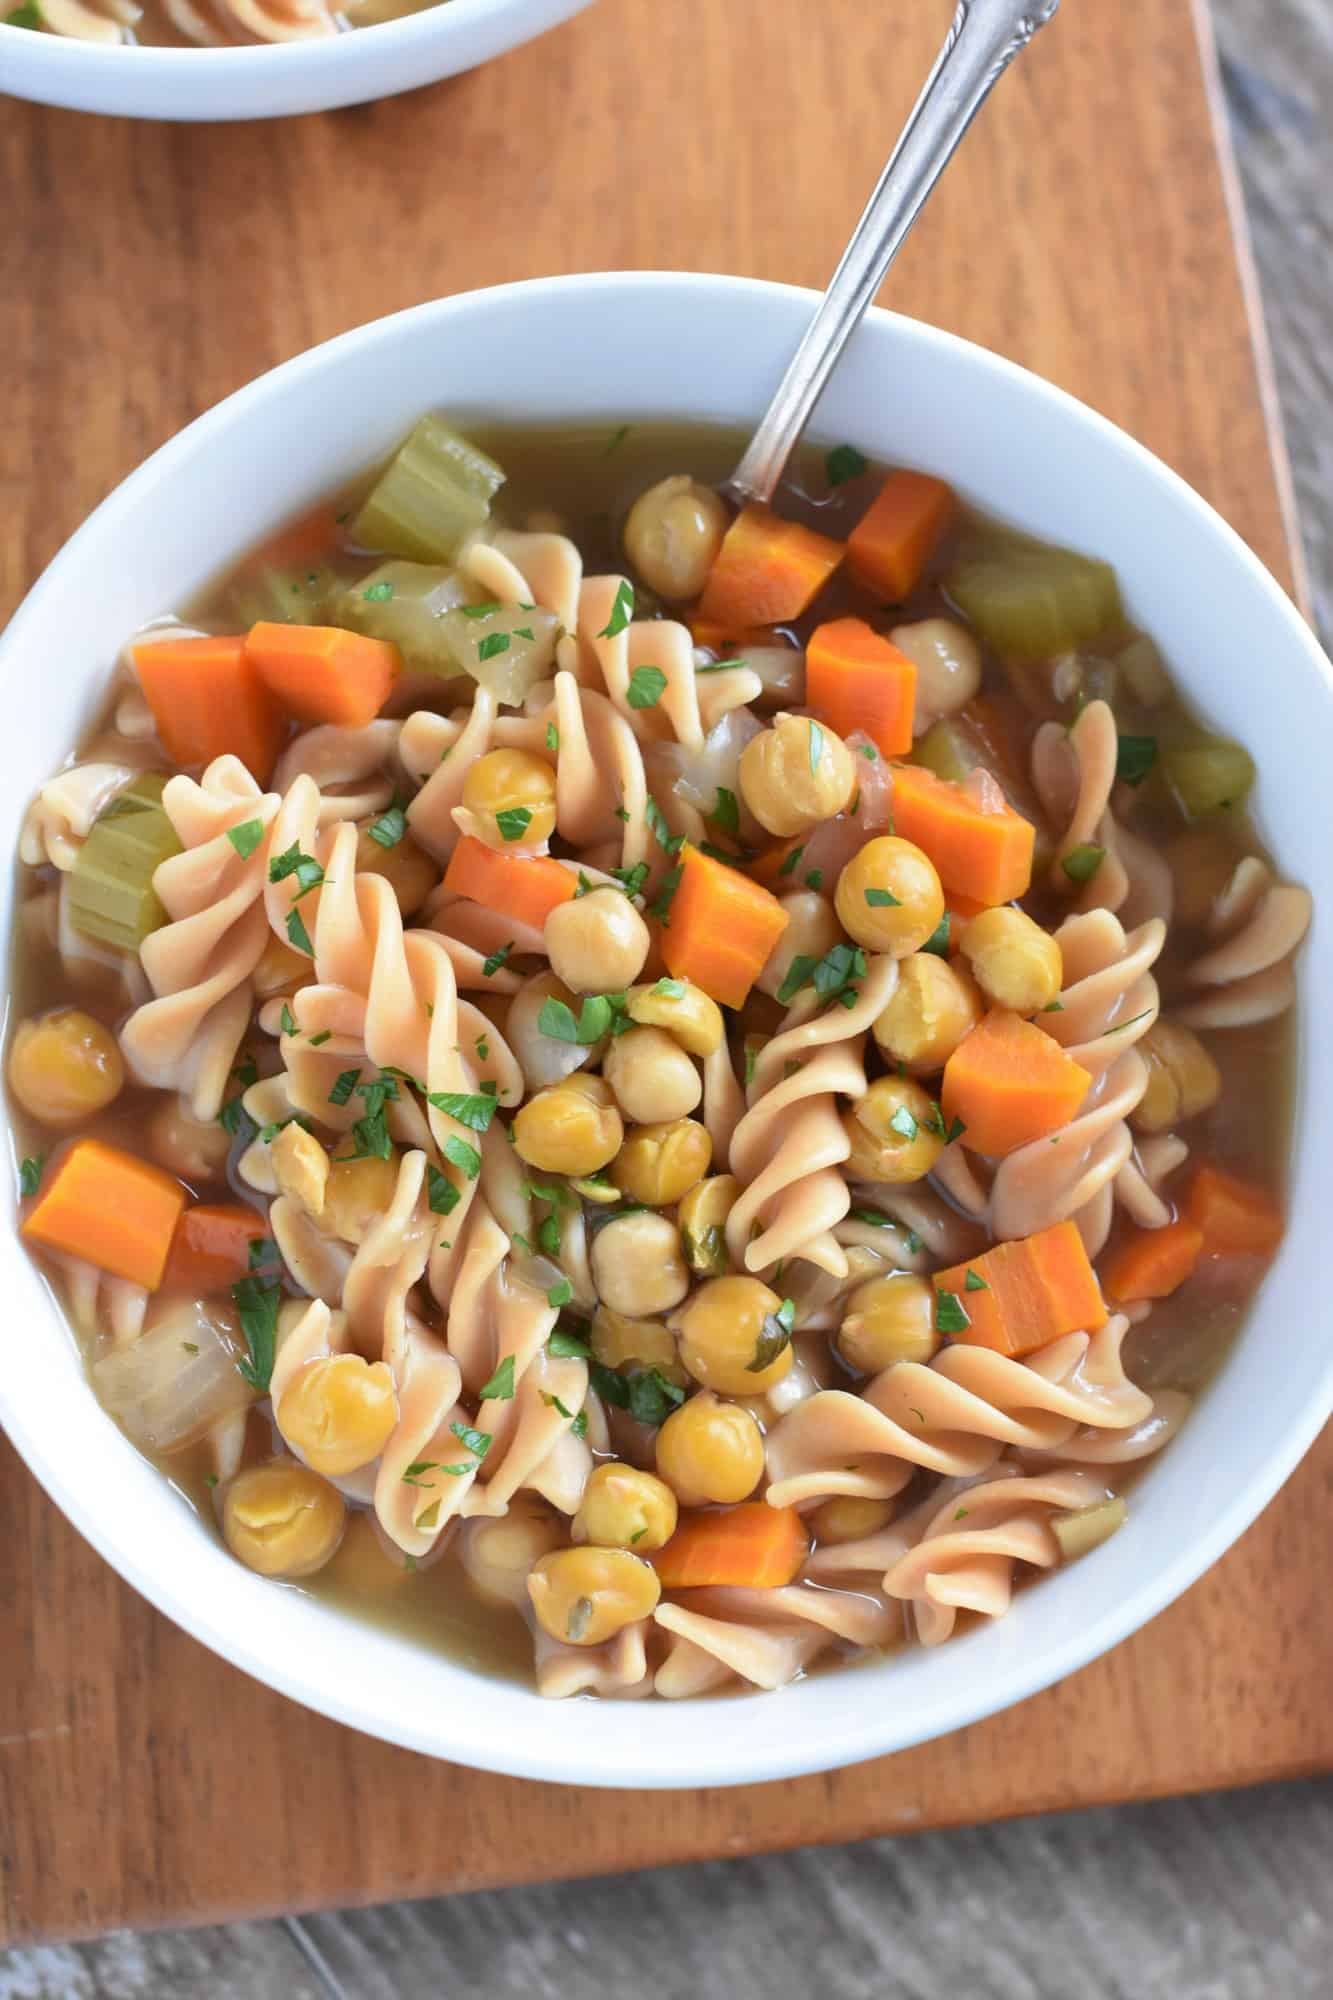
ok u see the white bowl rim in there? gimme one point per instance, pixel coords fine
(424, 26)
(857, 1738)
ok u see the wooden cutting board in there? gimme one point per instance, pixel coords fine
(1085, 229)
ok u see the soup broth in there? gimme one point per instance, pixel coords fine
(664, 1297)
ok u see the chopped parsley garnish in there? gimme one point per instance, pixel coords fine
(831, 976)
(548, 1236)
(792, 862)
(257, 1309)
(814, 878)
(580, 1427)
(263, 1250)
(950, 1313)
(1082, 862)
(751, 1057)
(560, 1293)
(482, 1047)
(844, 462)
(726, 812)
(497, 958)
(378, 593)
(492, 644)
(479, 610)
(871, 1216)
(869, 752)
(236, 1120)
(617, 439)
(564, 1346)
(913, 1243)
(816, 747)
(904, 1124)
(660, 907)
(596, 1015)
(557, 1196)
(513, 822)
(190, 1346)
(477, 1442)
(774, 1339)
(669, 842)
(344, 1086)
(1054, 1007)
(287, 1021)
(442, 1197)
(670, 989)
(938, 941)
(29, 15)
(30, 1173)
(298, 934)
(390, 827)
(1132, 1022)
(475, 1110)
(974, 1282)
(632, 879)
(1134, 758)
(460, 1154)
(554, 1403)
(610, 1386)
(621, 611)
(304, 867)
(500, 1388)
(552, 737)
(883, 899)
(651, 1397)
(646, 687)
(246, 837)
(413, 1474)
(324, 1035)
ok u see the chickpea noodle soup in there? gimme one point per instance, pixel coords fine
(203, 23)
(664, 1097)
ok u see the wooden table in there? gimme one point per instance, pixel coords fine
(1086, 229)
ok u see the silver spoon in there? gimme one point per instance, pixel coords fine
(983, 40)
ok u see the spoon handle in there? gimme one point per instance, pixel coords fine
(983, 40)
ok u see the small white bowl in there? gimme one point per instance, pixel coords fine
(275, 80)
(617, 348)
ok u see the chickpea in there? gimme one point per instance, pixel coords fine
(1183, 1079)
(338, 1411)
(65, 1067)
(585, 1596)
(597, 943)
(301, 1167)
(795, 774)
(623, 1508)
(894, 1130)
(709, 1450)
(845, 1518)
(673, 534)
(1016, 963)
(653, 1078)
(659, 1164)
(948, 667)
(725, 1335)
(887, 867)
(888, 1320)
(932, 1007)
(702, 1217)
(282, 1519)
(812, 931)
(194, 1148)
(637, 1267)
(571, 1128)
(356, 1195)
(408, 869)
(687, 1013)
(498, 1554)
(281, 968)
(644, 1343)
(511, 781)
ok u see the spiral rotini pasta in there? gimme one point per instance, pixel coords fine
(574, 1103)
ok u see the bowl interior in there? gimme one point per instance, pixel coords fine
(620, 348)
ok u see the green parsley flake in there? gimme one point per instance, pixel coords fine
(378, 593)
(246, 837)
(442, 1196)
(552, 737)
(497, 958)
(344, 1086)
(1134, 758)
(621, 611)
(564, 1346)
(479, 610)
(1082, 862)
(646, 687)
(309, 875)
(974, 1282)
(669, 842)
(287, 1021)
(493, 644)
(30, 1174)
(844, 462)
(882, 899)
(560, 1293)
(460, 1154)
(473, 1110)
(938, 941)
(774, 1339)
(390, 827)
(816, 747)
(904, 1124)
(660, 907)
(513, 822)
(726, 812)
(257, 1309)
(792, 862)
(298, 934)
(500, 1388)
(950, 1313)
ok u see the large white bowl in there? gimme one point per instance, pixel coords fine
(277, 80)
(619, 348)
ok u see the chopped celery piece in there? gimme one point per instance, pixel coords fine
(1207, 776)
(111, 895)
(1088, 1527)
(1141, 664)
(405, 602)
(436, 492)
(507, 648)
(1032, 601)
(282, 596)
(945, 751)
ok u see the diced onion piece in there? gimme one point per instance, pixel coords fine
(1088, 1527)
(172, 1384)
(435, 493)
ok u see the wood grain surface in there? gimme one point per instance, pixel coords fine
(1084, 230)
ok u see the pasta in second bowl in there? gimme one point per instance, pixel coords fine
(223, 59)
(825, 1493)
